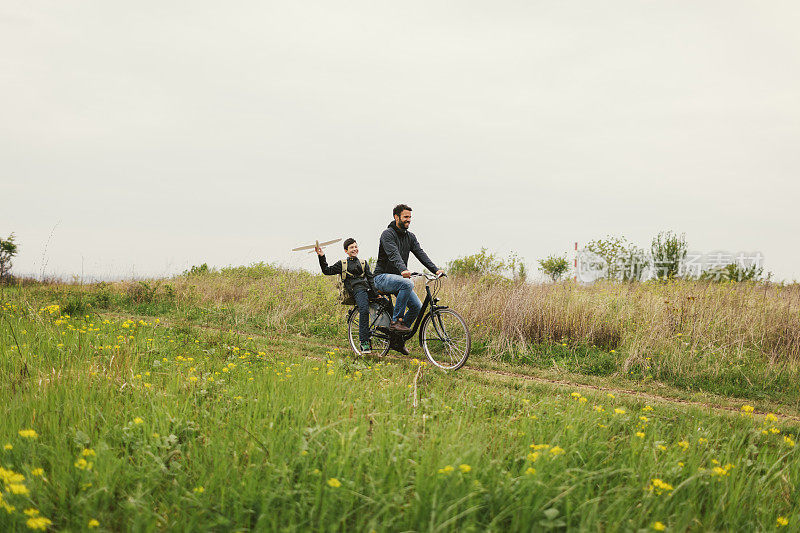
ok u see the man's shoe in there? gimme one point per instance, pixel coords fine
(399, 327)
(399, 345)
(366, 348)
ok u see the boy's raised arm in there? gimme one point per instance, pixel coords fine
(335, 268)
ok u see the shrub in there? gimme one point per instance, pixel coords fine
(735, 272)
(489, 265)
(8, 249)
(481, 264)
(197, 270)
(554, 267)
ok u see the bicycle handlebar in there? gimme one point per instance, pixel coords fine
(429, 277)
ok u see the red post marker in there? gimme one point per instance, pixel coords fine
(576, 261)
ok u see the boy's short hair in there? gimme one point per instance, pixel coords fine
(399, 208)
(347, 242)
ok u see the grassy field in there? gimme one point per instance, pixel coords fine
(737, 340)
(157, 423)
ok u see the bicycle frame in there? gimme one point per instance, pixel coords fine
(429, 301)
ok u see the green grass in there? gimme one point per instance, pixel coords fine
(210, 430)
(732, 340)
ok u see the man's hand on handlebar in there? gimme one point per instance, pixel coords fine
(440, 273)
(406, 273)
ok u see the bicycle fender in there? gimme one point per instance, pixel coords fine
(422, 327)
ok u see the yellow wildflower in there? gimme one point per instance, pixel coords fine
(335, 483)
(198, 490)
(530, 471)
(684, 444)
(658, 526)
(28, 433)
(37, 472)
(771, 417)
(619, 411)
(88, 452)
(38, 522)
(464, 468)
(138, 420)
(17, 488)
(93, 523)
(446, 470)
(658, 486)
(747, 410)
(781, 521)
(556, 450)
(788, 440)
(533, 456)
(640, 434)
(31, 512)
(83, 464)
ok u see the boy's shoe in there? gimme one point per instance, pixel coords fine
(366, 348)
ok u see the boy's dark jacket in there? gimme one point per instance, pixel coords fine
(358, 281)
(394, 248)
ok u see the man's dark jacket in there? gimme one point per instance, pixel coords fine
(394, 248)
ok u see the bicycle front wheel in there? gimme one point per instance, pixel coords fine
(445, 339)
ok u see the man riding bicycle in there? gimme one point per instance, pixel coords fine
(392, 273)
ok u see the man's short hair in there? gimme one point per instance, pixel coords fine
(399, 208)
(347, 242)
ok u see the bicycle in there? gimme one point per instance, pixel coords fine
(443, 333)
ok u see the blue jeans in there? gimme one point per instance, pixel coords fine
(362, 301)
(404, 289)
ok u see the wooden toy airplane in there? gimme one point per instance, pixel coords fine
(315, 245)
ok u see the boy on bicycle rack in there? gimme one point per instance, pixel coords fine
(358, 280)
(392, 273)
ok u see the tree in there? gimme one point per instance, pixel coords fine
(8, 249)
(554, 267)
(668, 250)
(634, 264)
(613, 251)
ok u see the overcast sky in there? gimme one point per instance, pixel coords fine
(140, 138)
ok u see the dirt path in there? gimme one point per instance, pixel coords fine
(502, 374)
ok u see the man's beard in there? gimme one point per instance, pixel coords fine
(405, 224)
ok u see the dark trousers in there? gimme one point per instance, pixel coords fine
(362, 301)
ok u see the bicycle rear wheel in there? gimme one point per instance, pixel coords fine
(445, 339)
(379, 340)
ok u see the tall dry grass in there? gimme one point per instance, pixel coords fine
(689, 324)
(723, 321)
